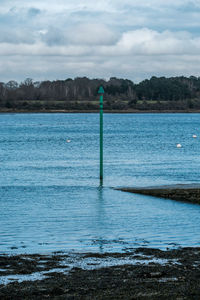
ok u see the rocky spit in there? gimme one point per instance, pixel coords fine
(143, 273)
(181, 192)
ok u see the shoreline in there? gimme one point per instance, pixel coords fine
(143, 273)
(189, 193)
(130, 111)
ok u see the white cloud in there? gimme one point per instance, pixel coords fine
(151, 42)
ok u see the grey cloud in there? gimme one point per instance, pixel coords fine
(16, 36)
(19, 17)
(53, 36)
(83, 34)
(33, 11)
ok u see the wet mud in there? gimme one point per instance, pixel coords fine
(143, 273)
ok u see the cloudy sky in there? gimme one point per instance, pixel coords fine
(135, 39)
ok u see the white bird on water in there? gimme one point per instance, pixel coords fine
(178, 146)
(68, 141)
(194, 136)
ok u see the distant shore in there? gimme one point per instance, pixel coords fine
(181, 192)
(114, 111)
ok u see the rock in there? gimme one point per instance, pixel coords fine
(57, 291)
(156, 274)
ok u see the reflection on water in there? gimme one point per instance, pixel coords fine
(50, 198)
(100, 216)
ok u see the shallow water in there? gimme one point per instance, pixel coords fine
(49, 189)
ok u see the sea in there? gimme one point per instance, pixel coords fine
(50, 194)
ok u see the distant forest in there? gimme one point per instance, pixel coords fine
(81, 94)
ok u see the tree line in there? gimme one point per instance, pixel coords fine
(157, 93)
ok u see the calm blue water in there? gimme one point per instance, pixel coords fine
(49, 189)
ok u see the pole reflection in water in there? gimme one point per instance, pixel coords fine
(100, 217)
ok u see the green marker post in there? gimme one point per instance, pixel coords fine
(101, 92)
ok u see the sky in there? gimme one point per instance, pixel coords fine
(134, 39)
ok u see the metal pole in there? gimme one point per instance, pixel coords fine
(101, 139)
(101, 91)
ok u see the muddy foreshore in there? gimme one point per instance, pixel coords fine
(143, 273)
(181, 192)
